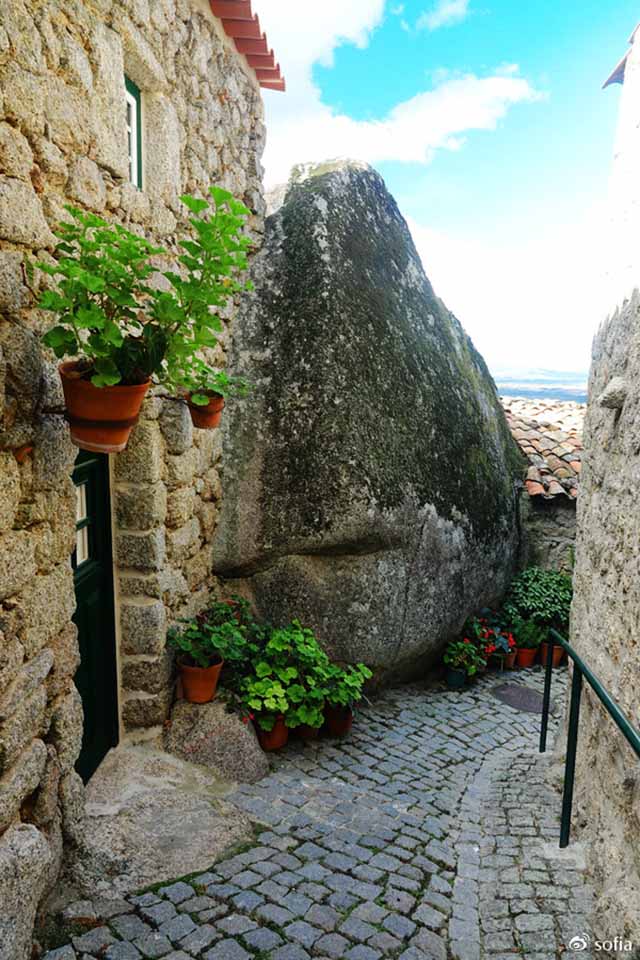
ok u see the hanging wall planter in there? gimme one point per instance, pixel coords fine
(125, 332)
(100, 418)
(207, 417)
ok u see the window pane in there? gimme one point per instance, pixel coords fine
(81, 503)
(82, 545)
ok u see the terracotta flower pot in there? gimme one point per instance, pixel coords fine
(199, 684)
(101, 418)
(526, 657)
(338, 720)
(273, 739)
(209, 417)
(556, 656)
(510, 660)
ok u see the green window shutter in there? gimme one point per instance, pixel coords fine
(134, 131)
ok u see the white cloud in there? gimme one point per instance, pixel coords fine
(444, 14)
(526, 301)
(302, 128)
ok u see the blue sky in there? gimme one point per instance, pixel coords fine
(488, 122)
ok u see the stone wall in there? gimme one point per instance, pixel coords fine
(63, 139)
(548, 532)
(605, 616)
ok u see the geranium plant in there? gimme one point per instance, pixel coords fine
(464, 655)
(201, 644)
(344, 684)
(125, 331)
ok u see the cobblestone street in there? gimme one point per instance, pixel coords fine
(430, 831)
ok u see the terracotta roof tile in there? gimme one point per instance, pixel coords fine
(549, 433)
(242, 25)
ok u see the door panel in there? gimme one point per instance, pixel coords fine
(96, 678)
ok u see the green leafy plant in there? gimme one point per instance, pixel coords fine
(490, 635)
(529, 634)
(202, 644)
(540, 595)
(292, 673)
(464, 655)
(125, 330)
(344, 684)
(101, 298)
(211, 262)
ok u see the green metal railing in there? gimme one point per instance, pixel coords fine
(624, 725)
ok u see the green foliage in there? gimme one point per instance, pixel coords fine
(540, 595)
(211, 262)
(344, 685)
(201, 644)
(529, 634)
(464, 655)
(125, 330)
(103, 272)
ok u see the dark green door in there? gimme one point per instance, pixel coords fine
(96, 678)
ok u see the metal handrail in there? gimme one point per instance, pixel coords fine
(617, 715)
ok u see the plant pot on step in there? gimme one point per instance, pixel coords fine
(209, 417)
(557, 654)
(199, 684)
(273, 739)
(100, 418)
(526, 657)
(338, 720)
(510, 661)
(455, 679)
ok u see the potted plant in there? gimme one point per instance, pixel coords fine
(343, 690)
(266, 700)
(544, 597)
(123, 332)
(528, 638)
(557, 653)
(201, 649)
(463, 659)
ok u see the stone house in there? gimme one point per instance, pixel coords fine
(116, 106)
(606, 606)
(549, 434)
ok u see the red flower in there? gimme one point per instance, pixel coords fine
(466, 640)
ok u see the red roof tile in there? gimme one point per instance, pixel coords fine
(242, 25)
(549, 433)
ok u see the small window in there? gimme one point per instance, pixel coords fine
(82, 526)
(134, 132)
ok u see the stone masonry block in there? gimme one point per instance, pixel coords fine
(18, 730)
(66, 660)
(180, 506)
(20, 781)
(181, 469)
(21, 216)
(140, 506)
(176, 426)
(29, 678)
(145, 709)
(16, 159)
(44, 608)
(86, 185)
(9, 490)
(13, 293)
(67, 720)
(183, 542)
(148, 674)
(25, 862)
(17, 562)
(143, 625)
(141, 551)
(141, 462)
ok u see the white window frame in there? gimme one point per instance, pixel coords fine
(133, 145)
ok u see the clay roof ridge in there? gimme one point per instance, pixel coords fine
(243, 26)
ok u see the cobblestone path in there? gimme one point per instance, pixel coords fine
(430, 832)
